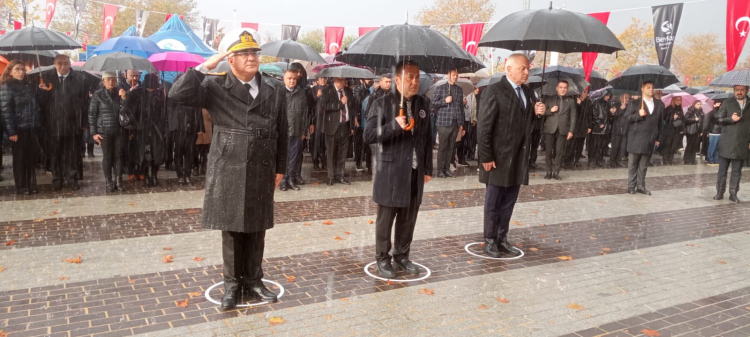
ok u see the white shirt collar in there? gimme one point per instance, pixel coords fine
(61, 75)
(512, 83)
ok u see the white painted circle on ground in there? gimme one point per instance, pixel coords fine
(210, 299)
(492, 258)
(426, 275)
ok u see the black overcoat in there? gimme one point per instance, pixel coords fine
(735, 136)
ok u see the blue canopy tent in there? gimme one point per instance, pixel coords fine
(175, 35)
(129, 32)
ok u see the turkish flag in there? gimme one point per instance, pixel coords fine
(365, 30)
(738, 26)
(85, 41)
(334, 38)
(589, 58)
(110, 12)
(708, 80)
(17, 25)
(253, 26)
(687, 81)
(50, 10)
(170, 15)
(471, 33)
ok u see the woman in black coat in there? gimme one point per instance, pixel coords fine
(673, 130)
(104, 122)
(693, 131)
(147, 106)
(22, 120)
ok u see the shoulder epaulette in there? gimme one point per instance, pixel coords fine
(223, 73)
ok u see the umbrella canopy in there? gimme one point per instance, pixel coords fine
(551, 30)
(118, 61)
(92, 78)
(550, 87)
(732, 78)
(632, 78)
(175, 61)
(130, 45)
(691, 91)
(386, 46)
(425, 82)
(576, 81)
(707, 104)
(269, 69)
(672, 89)
(465, 85)
(176, 35)
(596, 79)
(600, 92)
(720, 97)
(490, 80)
(44, 57)
(34, 38)
(346, 72)
(292, 50)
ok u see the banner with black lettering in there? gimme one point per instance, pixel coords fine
(140, 21)
(666, 21)
(289, 32)
(210, 27)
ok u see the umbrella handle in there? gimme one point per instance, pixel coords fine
(41, 81)
(411, 120)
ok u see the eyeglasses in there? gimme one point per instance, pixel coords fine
(246, 53)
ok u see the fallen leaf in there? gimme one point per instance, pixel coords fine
(38, 220)
(291, 278)
(470, 261)
(451, 204)
(467, 193)
(390, 282)
(54, 212)
(575, 306)
(26, 235)
(338, 238)
(533, 249)
(723, 262)
(435, 206)
(500, 299)
(168, 259)
(77, 260)
(543, 236)
(192, 211)
(131, 204)
(443, 255)
(518, 244)
(2, 269)
(427, 291)
(347, 233)
(183, 304)
(3, 334)
(483, 307)
(606, 249)
(430, 195)
(198, 259)
(276, 321)
(601, 219)
(326, 253)
(481, 244)
(63, 278)
(627, 238)
(131, 281)
(327, 317)
(565, 257)
(306, 224)
(370, 222)
(650, 333)
(11, 228)
(167, 248)
(10, 242)
(516, 223)
(194, 294)
(328, 222)
(534, 212)
(56, 202)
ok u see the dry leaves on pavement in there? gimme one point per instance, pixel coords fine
(10, 242)
(565, 257)
(328, 222)
(575, 306)
(483, 307)
(427, 291)
(77, 260)
(390, 283)
(191, 211)
(451, 204)
(347, 233)
(306, 224)
(291, 278)
(2, 269)
(502, 300)
(650, 333)
(338, 238)
(198, 259)
(63, 278)
(167, 248)
(183, 304)
(533, 249)
(370, 222)
(276, 320)
(194, 294)
(168, 259)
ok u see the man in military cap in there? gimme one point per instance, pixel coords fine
(247, 159)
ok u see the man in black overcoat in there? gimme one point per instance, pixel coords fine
(644, 115)
(734, 143)
(403, 163)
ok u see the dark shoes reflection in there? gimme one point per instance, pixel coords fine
(500, 248)
(406, 265)
(235, 293)
(385, 269)
(258, 291)
(733, 198)
(644, 191)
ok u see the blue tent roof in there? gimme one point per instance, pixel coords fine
(175, 35)
(129, 32)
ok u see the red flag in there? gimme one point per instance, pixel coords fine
(2, 31)
(589, 58)
(170, 15)
(334, 38)
(110, 13)
(17, 25)
(68, 33)
(85, 41)
(738, 26)
(708, 80)
(50, 10)
(365, 30)
(471, 33)
(687, 81)
(253, 26)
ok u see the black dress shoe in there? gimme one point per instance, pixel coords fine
(343, 181)
(385, 269)
(406, 265)
(490, 248)
(506, 250)
(535, 166)
(283, 186)
(644, 191)
(231, 296)
(631, 190)
(330, 182)
(258, 290)
(188, 181)
(548, 176)
(292, 185)
(719, 196)
(109, 186)
(299, 181)
(733, 198)
(118, 185)
(441, 174)
(556, 176)
(74, 186)
(449, 174)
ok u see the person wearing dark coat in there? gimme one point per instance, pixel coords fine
(536, 140)
(309, 114)
(340, 112)
(619, 132)
(63, 102)
(600, 125)
(185, 125)
(361, 92)
(645, 116)
(674, 130)
(559, 127)
(448, 106)
(384, 87)
(318, 138)
(693, 132)
(404, 164)
(247, 160)
(506, 113)
(104, 120)
(298, 125)
(22, 120)
(734, 143)
(147, 105)
(584, 110)
(712, 128)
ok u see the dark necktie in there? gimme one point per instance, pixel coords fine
(520, 97)
(343, 111)
(248, 88)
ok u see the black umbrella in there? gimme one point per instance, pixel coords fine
(292, 50)
(599, 93)
(533, 82)
(720, 96)
(692, 91)
(44, 57)
(732, 78)
(346, 72)
(92, 78)
(553, 74)
(34, 38)
(118, 61)
(596, 79)
(425, 82)
(632, 78)
(550, 87)
(466, 86)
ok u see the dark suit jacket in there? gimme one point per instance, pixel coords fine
(735, 136)
(331, 106)
(395, 149)
(564, 120)
(643, 132)
(64, 107)
(504, 134)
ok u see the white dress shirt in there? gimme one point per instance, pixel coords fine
(253, 86)
(649, 104)
(346, 106)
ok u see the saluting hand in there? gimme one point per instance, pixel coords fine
(213, 61)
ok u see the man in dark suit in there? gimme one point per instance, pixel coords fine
(644, 115)
(506, 113)
(734, 143)
(339, 107)
(404, 163)
(558, 128)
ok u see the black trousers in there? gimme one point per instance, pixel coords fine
(463, 145)
(112, 155)
(574, 150)
(691, 149)
(406, 218)
(555, 150)
(169, 153)
(637, 167)
(447, 136)
(336, 147)
(673, 143)
(25, 157)
(184, 152)
(619, 145)
(536, 138)
(294, 157)
(597, 145)
(243, 256)
(704, 144)
(734, 182)
(499, 202)
(318, 144)
(360, 148)
(63, 157)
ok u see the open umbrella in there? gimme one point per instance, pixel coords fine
(707, 104)
(118, 61)
(271, 70)
(632, 78)
(465, 85)
(42, 57)
(36, 39)
(175, 61)
(596, 79)
(292, 50)
(596, 94)
(672, 89)
(721, 96)
(346, 72)
(490, 80)
(91, 78)
(553, 74)
(550, 87)
(732, 78)
(130, 45)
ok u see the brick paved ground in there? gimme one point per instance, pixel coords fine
(597, 261)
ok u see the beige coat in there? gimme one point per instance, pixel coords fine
(206, 137)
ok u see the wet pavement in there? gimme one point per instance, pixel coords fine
(597, 261)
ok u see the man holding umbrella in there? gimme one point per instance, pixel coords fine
(403, 165)
(248, 162)
(644, 115)
(734, 143)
